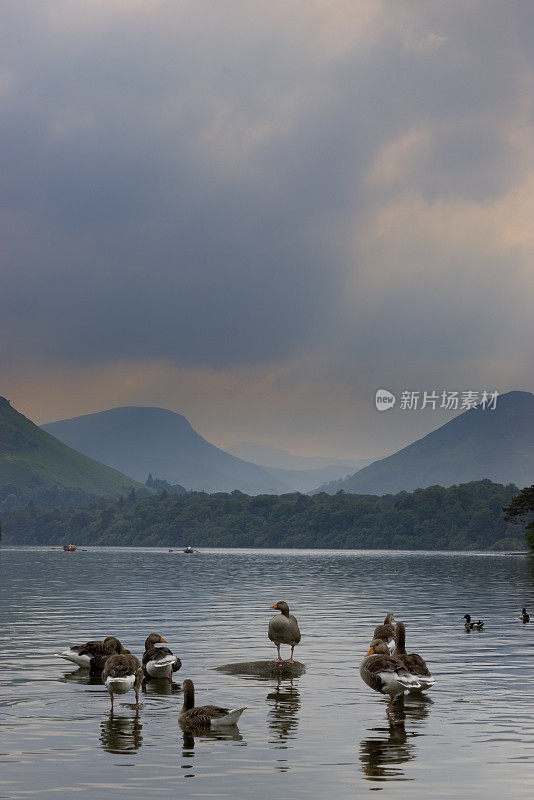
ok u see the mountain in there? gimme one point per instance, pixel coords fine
(307, 480)
(142, 440)
(477, 444)
(268, 456)
(35, 466)
(300, 473)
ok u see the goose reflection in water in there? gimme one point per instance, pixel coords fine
(283, 714)
(160, 688)
(83, 677)
(121, 734)
(383, 755)
(230, 733)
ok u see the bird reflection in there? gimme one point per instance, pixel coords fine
(230, 733)
(383, 754)
(283, 714)
(161, 688)
(82, 676)
(121, 734)
(417, 706)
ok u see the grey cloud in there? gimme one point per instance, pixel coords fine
(182, 190)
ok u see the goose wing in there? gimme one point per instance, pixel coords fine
(375, 669)
(93, 649)
(416, 664)
(120, 666)
(201, 716)
(284, 630)
(156, 654)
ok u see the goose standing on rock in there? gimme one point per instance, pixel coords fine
(284, 629)
(472, 625)
(524, 616)
(205, 716)
(82, 654)
(386, 631)
(159, 662)
(413, 662)
(121, 673)
(386, 674)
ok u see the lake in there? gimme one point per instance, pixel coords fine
(325, 733)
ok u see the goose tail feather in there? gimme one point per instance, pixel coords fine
(229, 719)
(70, 655)
(409, 681)
(164, 662)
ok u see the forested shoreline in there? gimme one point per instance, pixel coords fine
(464, 517)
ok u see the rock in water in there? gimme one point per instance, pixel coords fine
(264, 669)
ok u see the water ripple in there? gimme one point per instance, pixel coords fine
(472, 736)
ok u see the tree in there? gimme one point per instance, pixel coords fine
(521, 506)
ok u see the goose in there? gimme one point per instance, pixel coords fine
(413, 662)
(98, 662)
(284, 629)
(82, 654)
(121, 673)
(159, 662)
(205, 716)
(472, 626)
(524, 616)
(386, 631)
(386, 674)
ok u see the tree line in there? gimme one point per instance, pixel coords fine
(464, 517)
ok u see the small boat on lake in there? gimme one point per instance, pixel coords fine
(69, 548)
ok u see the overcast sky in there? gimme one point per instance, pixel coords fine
(257, 213)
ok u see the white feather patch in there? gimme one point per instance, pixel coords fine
(229, 719)
(120, 685)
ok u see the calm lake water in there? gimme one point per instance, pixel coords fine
(325, 733)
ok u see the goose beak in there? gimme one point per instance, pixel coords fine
(370, 652)
(273, 606)
(162, 639)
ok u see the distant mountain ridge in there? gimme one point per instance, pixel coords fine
(478, 444)
(139, 440)
(37, 467)
(307, 480)
(300, 473)
(275, 457)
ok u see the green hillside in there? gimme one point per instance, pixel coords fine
(467, 517)
(37, 467)
(477, 444)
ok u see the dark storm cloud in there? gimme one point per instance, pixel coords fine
(212, 183)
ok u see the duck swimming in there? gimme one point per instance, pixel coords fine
(524, 616)
(386, 674)
(284, 629)
(472, 625)
(205, 716)
(159, 662)
(413, 662)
